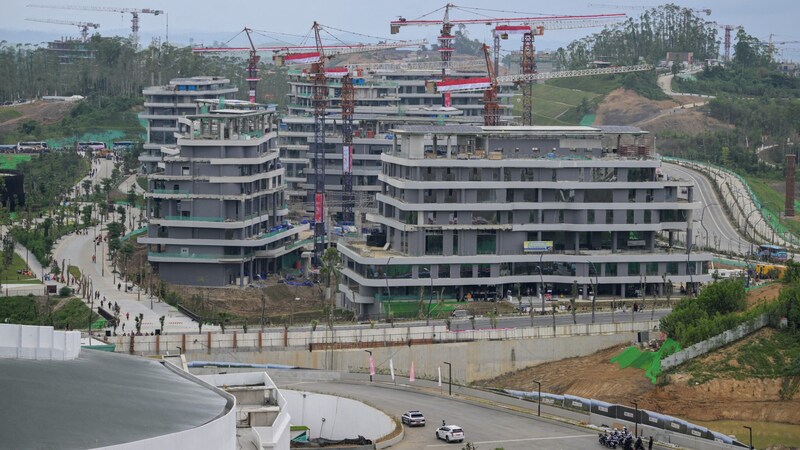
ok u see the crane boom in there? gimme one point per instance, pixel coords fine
(84, 26)
(418, 65)
(545, 21)
(484, 83)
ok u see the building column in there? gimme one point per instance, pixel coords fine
(623, 288)
(614, 243)
(577, 242)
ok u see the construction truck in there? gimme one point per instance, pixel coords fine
(770, 271)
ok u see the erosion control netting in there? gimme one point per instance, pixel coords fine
(650, 362)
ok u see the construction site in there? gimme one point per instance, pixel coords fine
(399, 179)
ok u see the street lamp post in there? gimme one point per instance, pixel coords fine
(370, 370)
(386, 275)
(594, 288)
(449, 378)
(541, 283)
(636, 419)
(539, 397)
(702, 215)
(750, 429)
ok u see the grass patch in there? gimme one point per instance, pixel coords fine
(766, 355)
(601, 85)
(8, 114)
(30, 310)
(772, 200)
(558, 94)
(10, 162)
(142, 182)
(10, 275)
(765, 434)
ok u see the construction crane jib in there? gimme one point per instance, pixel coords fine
(84, 26)
(132, 11)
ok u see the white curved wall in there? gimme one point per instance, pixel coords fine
(344, 418)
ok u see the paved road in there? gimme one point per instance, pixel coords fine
(486, 425)
(718, 232)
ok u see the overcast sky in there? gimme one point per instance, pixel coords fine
(206, 21)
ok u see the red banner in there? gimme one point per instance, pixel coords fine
(318, 205)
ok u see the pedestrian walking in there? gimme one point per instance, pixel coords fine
(123, 327)
(119, 286)
(127, 316)
(650, 444)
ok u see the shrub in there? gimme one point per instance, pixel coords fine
(65, 291)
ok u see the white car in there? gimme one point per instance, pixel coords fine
(412, 418)
(450, 433)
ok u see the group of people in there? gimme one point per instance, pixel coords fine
(624, 439)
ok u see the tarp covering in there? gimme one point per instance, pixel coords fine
(650, 362)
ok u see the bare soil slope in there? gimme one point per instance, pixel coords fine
(42, 112)
(624, 107)
(594, 376)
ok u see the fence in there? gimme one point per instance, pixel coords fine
(357, 337)
(627, 414)
(11, 291)
(714, 342)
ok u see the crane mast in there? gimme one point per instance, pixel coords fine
(319, 98)
(252, 68)
(348, 108)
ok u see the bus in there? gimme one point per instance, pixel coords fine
(122, 145)
(31, 146)
(770, 252)
(90, 146)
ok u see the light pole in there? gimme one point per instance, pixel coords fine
(539, 397)
(751, 435)
(636, 419)
(702, 215)
(370, 370)
(541, 283)
(594, 288)
(430, 299)
(386, 274)
(449, 378)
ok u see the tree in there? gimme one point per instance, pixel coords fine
(87, 186)
(331, 267)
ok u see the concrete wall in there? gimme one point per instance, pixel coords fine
(343, 417)
(41, 343)
(471, 359)
(715, 342)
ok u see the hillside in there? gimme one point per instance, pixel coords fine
(44, 113)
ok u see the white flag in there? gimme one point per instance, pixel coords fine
(391, 368)
(411, 373)
(440, 375)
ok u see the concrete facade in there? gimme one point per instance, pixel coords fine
(217, 210)
(383, 99)
(163, 105)
(488, 210)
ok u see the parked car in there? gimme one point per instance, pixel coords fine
(450, 433)
(413, 418)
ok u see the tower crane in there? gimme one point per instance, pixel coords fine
(134, 14)
(534, 25)
(489, 84)
(84, 26)
(319, 99)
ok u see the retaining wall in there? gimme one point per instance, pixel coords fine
(715, 342)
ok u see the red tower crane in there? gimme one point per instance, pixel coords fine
(534, 25)
(319, 98)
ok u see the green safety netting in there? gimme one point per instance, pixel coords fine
(588, 120)
(650, 362)
(99, 323)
